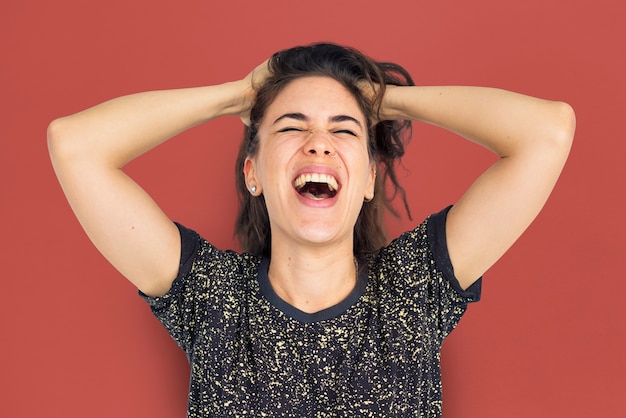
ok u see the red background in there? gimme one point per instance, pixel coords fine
(548, 338)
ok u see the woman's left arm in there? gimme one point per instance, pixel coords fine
(531, 136)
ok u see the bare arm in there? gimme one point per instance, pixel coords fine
(531, 136)
(88, 151)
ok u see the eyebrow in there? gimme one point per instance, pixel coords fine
(304, 118)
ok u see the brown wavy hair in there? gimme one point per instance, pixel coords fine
(386, 138)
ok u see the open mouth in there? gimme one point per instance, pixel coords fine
(316, 186)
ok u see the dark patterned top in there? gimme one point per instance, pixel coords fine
(376, 354)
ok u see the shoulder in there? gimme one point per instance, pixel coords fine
(420, 243)
(203, 265)
(196, 250)
(207, 275)
(421, 256)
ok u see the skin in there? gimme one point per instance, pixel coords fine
(313, 126)
(531, 136)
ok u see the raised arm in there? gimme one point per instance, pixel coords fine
(88, 151)
(531, 136)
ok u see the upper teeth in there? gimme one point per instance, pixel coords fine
(317, 178)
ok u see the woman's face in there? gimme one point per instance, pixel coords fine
(312, 164)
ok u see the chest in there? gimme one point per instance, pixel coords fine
(364, 358)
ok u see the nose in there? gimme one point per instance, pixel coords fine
(319, 143)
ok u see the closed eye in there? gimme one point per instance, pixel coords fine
(290, 128)
(345, 131)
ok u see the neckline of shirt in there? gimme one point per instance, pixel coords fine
(325, 314)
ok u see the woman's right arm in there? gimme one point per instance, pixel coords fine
(88, 151)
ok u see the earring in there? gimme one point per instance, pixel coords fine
(253, 189)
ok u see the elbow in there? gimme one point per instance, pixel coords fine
(564, 125)
(67, 144)
(59, 143)
(551, 136)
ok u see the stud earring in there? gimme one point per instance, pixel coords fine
(253, 189)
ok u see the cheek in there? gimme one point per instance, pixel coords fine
(361, 158)
(272, 167)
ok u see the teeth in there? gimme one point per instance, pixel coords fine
(317, 178)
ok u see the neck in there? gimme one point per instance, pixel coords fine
(313, 279)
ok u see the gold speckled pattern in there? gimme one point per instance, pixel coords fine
(377, 358)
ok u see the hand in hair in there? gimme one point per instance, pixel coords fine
(253, 81)
(386, 110)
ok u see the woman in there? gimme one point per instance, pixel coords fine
(320, 316)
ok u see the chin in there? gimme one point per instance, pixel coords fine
(319, 234)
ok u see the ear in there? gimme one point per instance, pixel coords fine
(249, 171)
(371, 184)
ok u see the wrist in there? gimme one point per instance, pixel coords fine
(236, 98)
(392, 106)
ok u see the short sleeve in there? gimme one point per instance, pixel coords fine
(205, 297)
(418, 270)
(176, 309)
(436, 228)
(449, 300)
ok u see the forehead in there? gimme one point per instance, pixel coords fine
(315, 96)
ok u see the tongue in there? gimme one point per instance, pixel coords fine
(315, 191)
